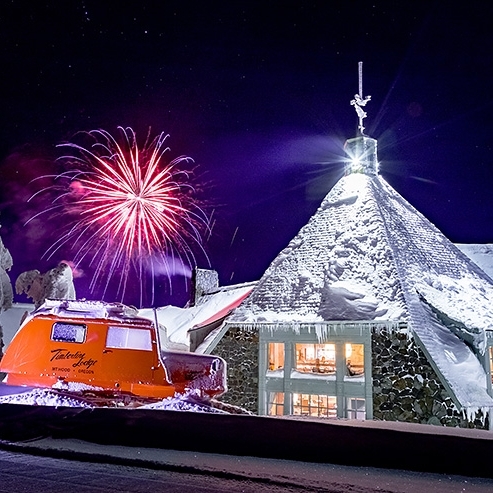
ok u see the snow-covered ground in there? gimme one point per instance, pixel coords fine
(55, 397)
(43, 397)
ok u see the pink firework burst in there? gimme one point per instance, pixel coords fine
(132, 209)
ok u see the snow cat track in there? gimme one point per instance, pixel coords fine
(104, 398)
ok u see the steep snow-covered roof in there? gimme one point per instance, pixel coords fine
(481, 254)
(339, 266)
(367, 254)
(210, 307)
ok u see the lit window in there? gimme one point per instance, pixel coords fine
(276, 356)
(315, 405)
(355, 360)
(356, 408)
(316, 358)
(129, 338)
(276, 403)
(64, 332)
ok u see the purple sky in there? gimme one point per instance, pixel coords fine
(259, 97)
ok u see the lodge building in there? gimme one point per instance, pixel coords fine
(370, 312)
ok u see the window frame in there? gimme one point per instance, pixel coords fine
(128, 344)
(350, 409)
(58, 325)
(315, 365)
(330, 407)
(273, 403)
(274, 350)
(340, 384)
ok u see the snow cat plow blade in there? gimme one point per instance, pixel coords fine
(189, 371)
(107, 347)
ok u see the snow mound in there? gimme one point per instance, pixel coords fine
(190, 401)
(185, 402)
(74, 386)
(43, 397)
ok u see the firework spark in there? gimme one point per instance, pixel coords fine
(130, 209)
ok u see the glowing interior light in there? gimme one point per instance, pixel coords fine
(349, 350)
(356, 164)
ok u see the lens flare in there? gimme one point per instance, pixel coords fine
(128, 207)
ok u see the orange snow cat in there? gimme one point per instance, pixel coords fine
(104, 345)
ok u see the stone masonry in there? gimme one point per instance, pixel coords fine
(406, 388)
(240, 349)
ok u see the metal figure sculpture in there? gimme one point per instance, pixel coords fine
(359, 101)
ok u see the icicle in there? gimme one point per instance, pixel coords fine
(471, 413)
(325, 330)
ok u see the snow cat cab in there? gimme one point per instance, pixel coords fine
(104, 345)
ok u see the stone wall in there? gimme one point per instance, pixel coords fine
(406, 388)
(240, 349)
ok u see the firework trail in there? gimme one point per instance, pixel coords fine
(130, 208)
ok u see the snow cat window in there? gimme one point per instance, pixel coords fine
(63, 332)
(129, 338)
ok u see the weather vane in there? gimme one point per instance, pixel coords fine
(358, 102)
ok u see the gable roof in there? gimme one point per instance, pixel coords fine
(210, 307)
(367, 254)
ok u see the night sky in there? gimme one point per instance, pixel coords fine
(258, 94)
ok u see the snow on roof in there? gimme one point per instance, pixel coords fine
(89, 309)
(336, 268)
(367, 254)
(209, 308)
(482, 255)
